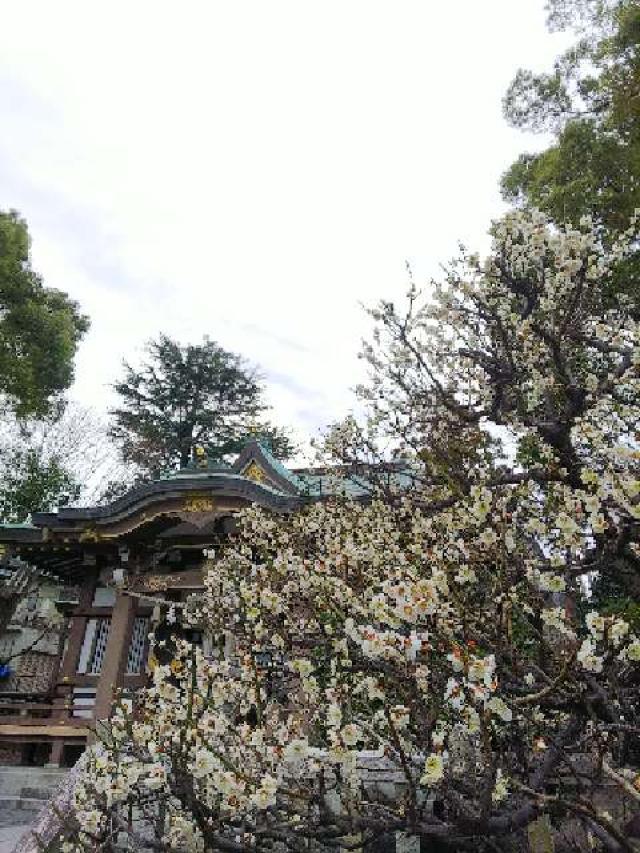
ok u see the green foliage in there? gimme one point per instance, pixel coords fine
(590, 102)
(184, 396)
(32, 484)
(40, 327)
(274, 438)
(584, 172)
(624, 607)
(609, 596)
(530, 451)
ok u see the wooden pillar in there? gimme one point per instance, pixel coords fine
(69, 662)
(55, 759)
(115, 654)
(76, 632)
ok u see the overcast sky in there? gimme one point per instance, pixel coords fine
(253, 171)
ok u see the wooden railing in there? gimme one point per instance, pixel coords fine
(33, 713)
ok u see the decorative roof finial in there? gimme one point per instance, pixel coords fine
(200, 456)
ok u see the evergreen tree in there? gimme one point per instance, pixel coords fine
(185, 396)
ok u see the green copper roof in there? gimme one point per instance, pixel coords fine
(279, 468)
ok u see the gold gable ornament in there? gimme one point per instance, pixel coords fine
(254, 472)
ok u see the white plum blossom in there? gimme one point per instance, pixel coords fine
(500, 708)
(350, 734)
(633, 651)
(296, 750)
(433, 770)
(548, 582)
(434, 626)
(501, 787)
(588, 658)
(203, 764)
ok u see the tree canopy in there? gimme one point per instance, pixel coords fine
(589, 101)
(62, 459)
(31, 484)
(437, 666)
(40, 327)
(184, 396)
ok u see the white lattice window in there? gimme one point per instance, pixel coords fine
(94, 646)
(135, 658)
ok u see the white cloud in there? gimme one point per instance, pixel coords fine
(255, 170)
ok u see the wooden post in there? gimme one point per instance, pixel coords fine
(76, 632)
(69, 661)
(67, 664)
(55, 759)
(115, 654)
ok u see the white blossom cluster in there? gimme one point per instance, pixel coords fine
(443, 625)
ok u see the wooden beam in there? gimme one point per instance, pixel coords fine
(43, 731)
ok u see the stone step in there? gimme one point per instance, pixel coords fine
(24, 793)
(22, 803)
(18, 811)
(10, 835)
(30, 781)
(35, 793)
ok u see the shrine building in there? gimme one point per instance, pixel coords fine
(81, 633)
